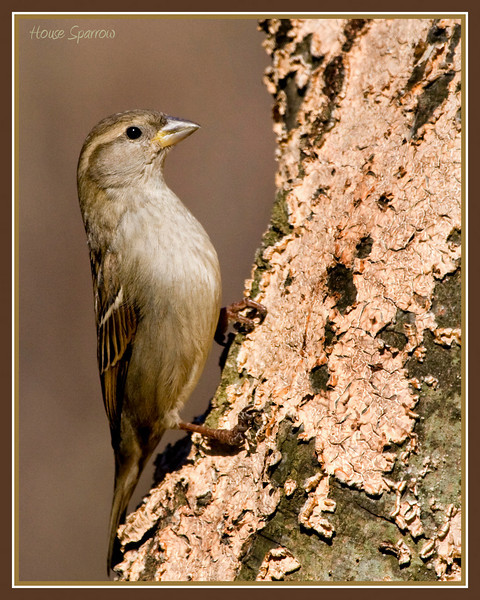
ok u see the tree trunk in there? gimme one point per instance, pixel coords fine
(351, 470)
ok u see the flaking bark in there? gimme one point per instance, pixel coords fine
(352, 468)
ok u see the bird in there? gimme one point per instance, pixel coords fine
(157, 290)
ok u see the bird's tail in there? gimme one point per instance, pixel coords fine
(126, 479)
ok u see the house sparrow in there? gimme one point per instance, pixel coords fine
(156, 281)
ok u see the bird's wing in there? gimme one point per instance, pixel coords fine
(117, 321)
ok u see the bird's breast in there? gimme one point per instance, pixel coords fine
(170, 268)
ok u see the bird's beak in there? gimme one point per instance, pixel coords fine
(174, 131)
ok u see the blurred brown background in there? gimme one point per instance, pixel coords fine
(206, 70)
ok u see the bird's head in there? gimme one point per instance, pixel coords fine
(124, 146)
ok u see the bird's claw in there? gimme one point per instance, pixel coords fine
(231, 313)
(228, 437)
(246, 418)
(256, 313)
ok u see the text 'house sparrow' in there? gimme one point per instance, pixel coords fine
(157, 289)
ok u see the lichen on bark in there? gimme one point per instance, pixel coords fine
(351, 471)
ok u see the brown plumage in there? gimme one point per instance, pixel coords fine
(156, 283)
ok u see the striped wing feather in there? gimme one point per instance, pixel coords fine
(116, 327)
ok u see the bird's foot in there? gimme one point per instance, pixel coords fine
(231, 313)
(228, 437)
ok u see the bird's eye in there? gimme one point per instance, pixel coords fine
(133, 133)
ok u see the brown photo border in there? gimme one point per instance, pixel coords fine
(283, 9)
